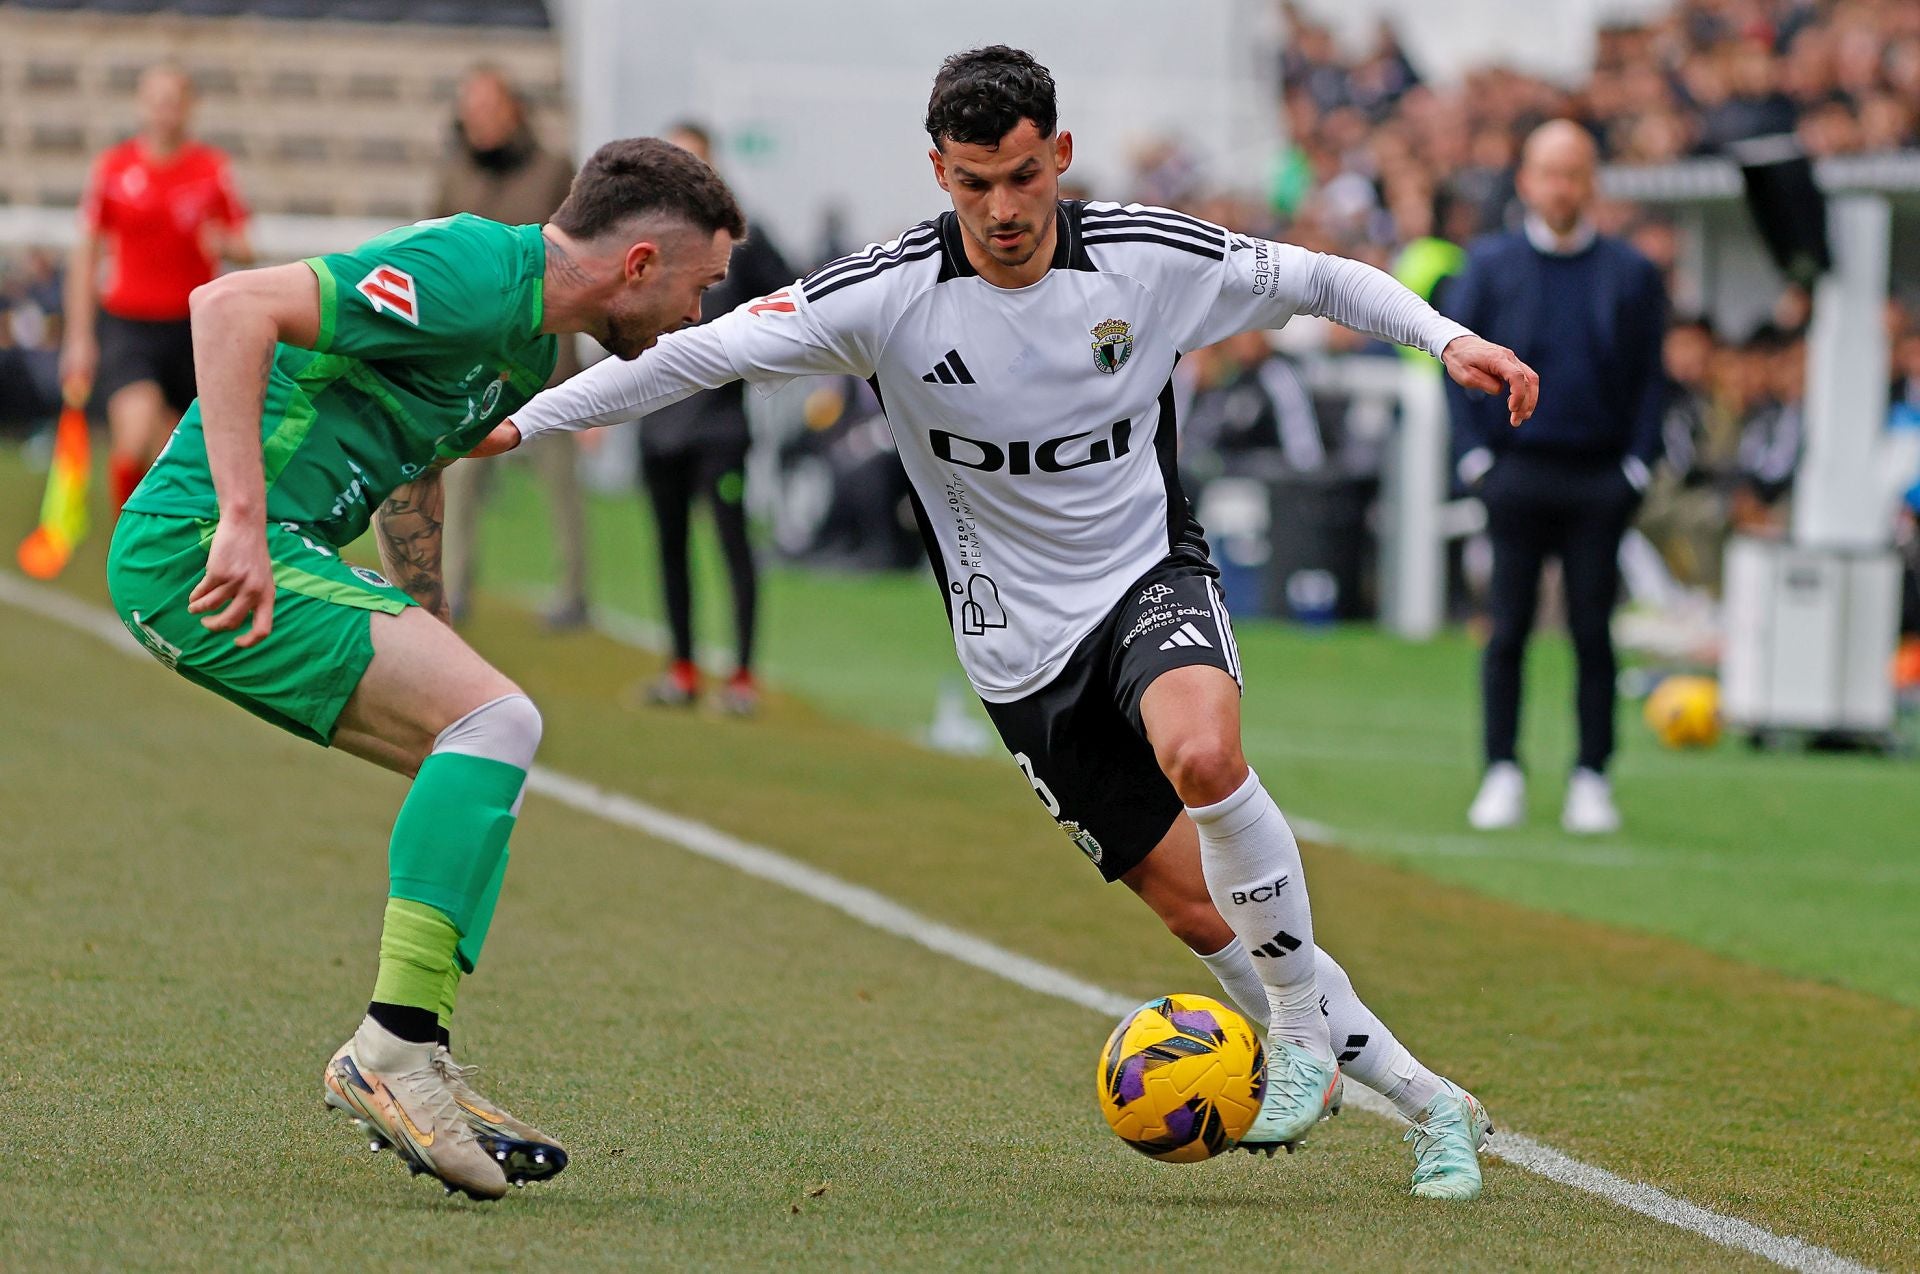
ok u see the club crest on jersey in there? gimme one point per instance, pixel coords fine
(1112, 345)
(1084, 839)
(367, 576)
(391, 291)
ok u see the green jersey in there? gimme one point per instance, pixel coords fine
(429, 337)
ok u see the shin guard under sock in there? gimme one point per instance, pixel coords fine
(1252, 866)
(450, 842)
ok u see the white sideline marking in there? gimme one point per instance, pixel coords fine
(880, 912)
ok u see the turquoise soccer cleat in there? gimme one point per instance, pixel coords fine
(1301, 1091)
(1446, 1143)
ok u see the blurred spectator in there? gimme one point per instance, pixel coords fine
(162, 210)
(1585, 311)
(1772, 428)
(846, 502)
(496, 168)
(1753, 105)
(1249, 412)
(30, 286)
(1685, 514)
(696, 449)
(1164, 173)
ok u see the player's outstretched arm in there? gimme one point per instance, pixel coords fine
(237, 321)
(409, 524)
(1370, 300)
(614, 390)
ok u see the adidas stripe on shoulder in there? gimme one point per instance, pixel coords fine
(1137, 223)
(917, 244)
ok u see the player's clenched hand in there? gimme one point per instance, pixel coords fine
(1482, 365)
(238, 583)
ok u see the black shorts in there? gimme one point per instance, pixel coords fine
(1080, 742)
(133, 350)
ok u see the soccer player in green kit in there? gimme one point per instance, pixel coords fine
(332, 390)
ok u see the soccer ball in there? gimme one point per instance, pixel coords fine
(1181, 1078)
(1684, 712)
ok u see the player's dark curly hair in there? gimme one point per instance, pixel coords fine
(640, 175)
(982, 95)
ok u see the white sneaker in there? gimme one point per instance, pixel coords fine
(1502, 801)
(1590, 810)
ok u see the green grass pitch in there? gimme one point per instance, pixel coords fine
(750, 1080)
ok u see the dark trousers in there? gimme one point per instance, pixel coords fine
(718, 474)
(1575, 510)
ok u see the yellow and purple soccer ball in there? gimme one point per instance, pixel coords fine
(1684, 712)
(1181, 1078)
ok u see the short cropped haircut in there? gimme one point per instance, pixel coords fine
(982, 95)
(639, 176)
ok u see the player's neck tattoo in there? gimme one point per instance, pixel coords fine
(562, 268)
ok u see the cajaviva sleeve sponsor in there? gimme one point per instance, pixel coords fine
(1214, 283)
(1263, 284)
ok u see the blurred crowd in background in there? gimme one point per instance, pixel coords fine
(30, 284)
(1382, 166)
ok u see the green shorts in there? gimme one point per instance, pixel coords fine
(301, 674)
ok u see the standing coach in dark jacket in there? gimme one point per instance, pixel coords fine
(1588, 312)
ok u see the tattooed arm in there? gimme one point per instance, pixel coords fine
(409, 525)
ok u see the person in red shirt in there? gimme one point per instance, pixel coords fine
(163, 210)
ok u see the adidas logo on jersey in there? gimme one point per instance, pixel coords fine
(949, 371)
(1185, 635)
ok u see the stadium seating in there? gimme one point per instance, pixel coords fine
(322, 117)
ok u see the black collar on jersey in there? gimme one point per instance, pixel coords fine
(1069, 253)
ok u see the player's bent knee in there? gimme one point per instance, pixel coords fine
(1204, 768)
(504, 729)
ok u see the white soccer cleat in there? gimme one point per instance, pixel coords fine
(1446, 1145)
(1302, 1090)
(1590, 810)
(523, 1152)
(1502, 800)
(398, 1097)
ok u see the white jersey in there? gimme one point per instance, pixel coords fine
(1036, 423)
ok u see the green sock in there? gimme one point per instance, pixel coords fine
(449, 988)
(416, 953)
(476, 934)
(450, 842)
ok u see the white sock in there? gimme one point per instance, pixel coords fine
(1252, 865)
(1241, 981)
(1366, 1049)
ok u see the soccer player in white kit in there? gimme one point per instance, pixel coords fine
(1023, 347)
